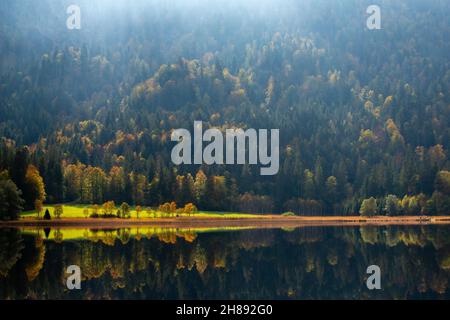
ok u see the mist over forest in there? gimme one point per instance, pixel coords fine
(86, 115)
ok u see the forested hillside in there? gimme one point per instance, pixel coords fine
(86, 115)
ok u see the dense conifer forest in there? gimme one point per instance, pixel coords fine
(86, 115)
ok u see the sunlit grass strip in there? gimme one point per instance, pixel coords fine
(76, 211)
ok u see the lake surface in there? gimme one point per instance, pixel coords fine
(155, 263)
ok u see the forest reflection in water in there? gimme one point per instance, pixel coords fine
(155, 263)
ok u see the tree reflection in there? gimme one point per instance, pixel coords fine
(156, 263)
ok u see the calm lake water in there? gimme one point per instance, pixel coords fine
(151, 263)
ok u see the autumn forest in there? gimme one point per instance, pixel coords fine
(86, 115)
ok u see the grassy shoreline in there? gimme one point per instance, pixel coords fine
(73, 217)
(268, 221)
(76, 211)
